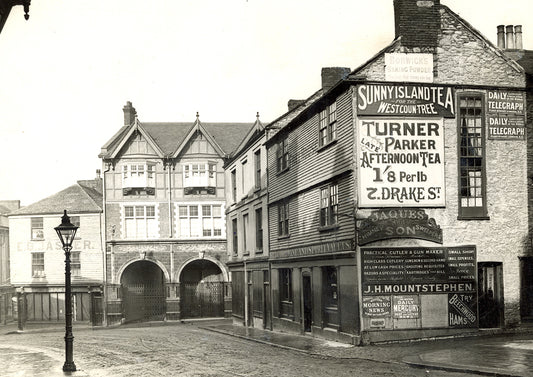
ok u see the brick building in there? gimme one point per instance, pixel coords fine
(164, 195)
(398, 195)
(38, 262)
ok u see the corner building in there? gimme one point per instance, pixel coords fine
(398, 203)
(164, 219)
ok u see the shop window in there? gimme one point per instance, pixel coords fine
(37, 232)
(282, 155)
(472, 176)
(199, 220)
(140, 222)
(285, 292)
(37, 265)
(329, 199)
(283, 219)
(328, 124)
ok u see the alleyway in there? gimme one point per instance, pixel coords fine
(197, 350)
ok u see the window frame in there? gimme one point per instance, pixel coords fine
(285, 285)
(37, 273)
(327, 125)
(257, 164)
(282, 155)
(464, 160)
(199, 174)
(329, 206)
(75, 262)
(259, 230)
(202, 212)
(283, 219)
(146, 217)
(234, 185)
(145, 169)
(37, 228)
(235, 237)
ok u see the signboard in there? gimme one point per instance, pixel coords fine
(406, 100)
(462, 310)
(506, 115)
(401, 162)
(376, 306)
(418, 270)
(322, 248)
(405, 307)
(415, 67)
(398, 223)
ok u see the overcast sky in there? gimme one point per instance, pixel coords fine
(66, 73)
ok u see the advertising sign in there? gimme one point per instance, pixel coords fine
(401, 162)
(398, 223)
(405, 307)
(462, 310)
(411, 100)
(506, 115)
(376, 306)
(415, 67)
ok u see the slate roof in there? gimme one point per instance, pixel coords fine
(76, 199)
(522, 57)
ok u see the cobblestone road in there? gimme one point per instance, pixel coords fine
(186, 350)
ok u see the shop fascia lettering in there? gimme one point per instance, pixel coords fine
(370, 94)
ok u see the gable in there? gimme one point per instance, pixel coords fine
(137, 145)
(198, 144)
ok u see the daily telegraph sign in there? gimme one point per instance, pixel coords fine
(401, 162)
(421, 100)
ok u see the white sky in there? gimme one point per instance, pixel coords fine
(66, 73)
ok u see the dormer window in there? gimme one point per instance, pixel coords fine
(199, 176)
(138, 177)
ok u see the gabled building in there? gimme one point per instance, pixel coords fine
(38, 261)
(398, 199)
(164, 195)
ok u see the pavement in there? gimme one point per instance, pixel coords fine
(494, 353)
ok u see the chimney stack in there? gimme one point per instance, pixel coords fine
(332, 75)
(518, 37)
(417, 22)
(501, 36)
(509, 34)
(129, 114)
(294, 103)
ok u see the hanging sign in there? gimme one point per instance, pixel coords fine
(401, 162)
(414, 100)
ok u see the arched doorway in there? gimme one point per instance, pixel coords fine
(143, 292)
(202, 290)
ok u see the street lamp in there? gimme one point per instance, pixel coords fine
(66, 232)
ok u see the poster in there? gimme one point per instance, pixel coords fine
(401, 162)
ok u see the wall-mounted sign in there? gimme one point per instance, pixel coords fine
(462, 310)
(398, 223)
(406, 100)
(323, 248)
(506, 115)
(376, 306)
(401, 162)
(405, 307)
(413, 67)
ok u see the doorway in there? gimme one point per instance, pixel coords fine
(307, 302)
(490, 294)
(202, 290)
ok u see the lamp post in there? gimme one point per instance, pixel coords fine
(66, 232)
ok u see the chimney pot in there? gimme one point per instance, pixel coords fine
(501, 36)
(509, 34)
(518, 37)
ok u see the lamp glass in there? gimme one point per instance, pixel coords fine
(66, 230)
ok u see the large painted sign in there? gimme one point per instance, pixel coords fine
(506, 115)
(408, 283)
(420, 100)
(401, 162)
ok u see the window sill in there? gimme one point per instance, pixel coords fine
(328, 228)
(37, 239)
(327, 145)
(284, 236)
(468, 218)
(282, 171)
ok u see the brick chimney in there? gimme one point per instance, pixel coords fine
(417, 22)
(332, 75)
(294, 103)
(129, 113)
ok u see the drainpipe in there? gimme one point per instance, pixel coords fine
(103, 237)
(246, 314)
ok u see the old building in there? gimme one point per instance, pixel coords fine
(397, 199)
(6, 289)
(38, 261)
(164, 194)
